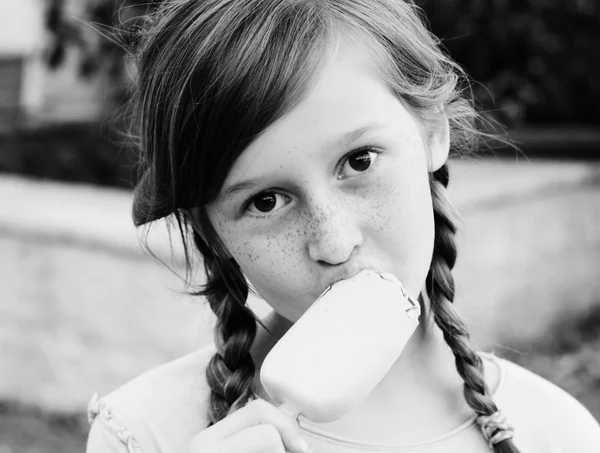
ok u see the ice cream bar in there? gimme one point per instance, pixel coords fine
(341, 348)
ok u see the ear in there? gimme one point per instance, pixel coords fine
(193, 216)
(438, 139)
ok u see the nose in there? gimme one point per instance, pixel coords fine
(333, 230)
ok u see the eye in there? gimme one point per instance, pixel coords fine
(361, 160)
(265, 203)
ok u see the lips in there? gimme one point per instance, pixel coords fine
(347, 272)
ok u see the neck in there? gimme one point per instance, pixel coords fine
(422, 390)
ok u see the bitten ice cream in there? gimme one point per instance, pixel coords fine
(341, 348)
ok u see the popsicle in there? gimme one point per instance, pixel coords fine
(341, 348)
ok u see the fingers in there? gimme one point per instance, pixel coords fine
(231, 429)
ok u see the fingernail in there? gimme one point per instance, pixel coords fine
(302, 445)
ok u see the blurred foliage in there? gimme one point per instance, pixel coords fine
(30, 429)
(101, 35)
(538, 59)
(534, 60)
(74, 152)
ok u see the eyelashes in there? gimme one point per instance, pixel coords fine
(265, 199)
(364, 156)
(263, 203)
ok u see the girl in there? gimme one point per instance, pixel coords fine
(294, 143)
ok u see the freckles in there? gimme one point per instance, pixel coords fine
(382, 222)
(252, 256)
(382, 199)
(280, 246)
(328, 218)
(312, 225)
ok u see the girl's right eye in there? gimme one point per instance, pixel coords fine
(264, 203)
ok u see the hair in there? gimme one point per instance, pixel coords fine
(214, 74)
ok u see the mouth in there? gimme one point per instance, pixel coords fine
(350, 272)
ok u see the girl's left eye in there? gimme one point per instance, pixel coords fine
(360, 161)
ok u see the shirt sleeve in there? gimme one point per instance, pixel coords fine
(580, 430)
(107, 433)
(546, 417)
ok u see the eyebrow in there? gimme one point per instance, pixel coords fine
(350, 137)
(344, 141)
(239, 187)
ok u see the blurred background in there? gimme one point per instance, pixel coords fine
(83, 309)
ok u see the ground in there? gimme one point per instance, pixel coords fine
(570, 361)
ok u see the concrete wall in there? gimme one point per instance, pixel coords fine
(83, 309)
(42, 94)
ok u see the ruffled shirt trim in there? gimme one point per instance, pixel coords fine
(98, 408)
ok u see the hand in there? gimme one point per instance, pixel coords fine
(258, 427)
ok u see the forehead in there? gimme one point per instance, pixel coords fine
(347, 95)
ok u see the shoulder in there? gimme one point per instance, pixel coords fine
(544, 412)
(159, 411)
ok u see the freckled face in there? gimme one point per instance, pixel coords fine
(340, 179)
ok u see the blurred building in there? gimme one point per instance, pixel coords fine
(21, 26)
(30, 92)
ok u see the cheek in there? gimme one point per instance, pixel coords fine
(273, 264)
(402, 225)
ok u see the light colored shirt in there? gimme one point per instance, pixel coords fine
(163, 409)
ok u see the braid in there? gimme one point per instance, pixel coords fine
(230, 372)
(440, 289)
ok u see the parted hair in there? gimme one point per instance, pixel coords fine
(214, 74)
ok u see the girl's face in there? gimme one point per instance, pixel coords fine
(338, 184)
